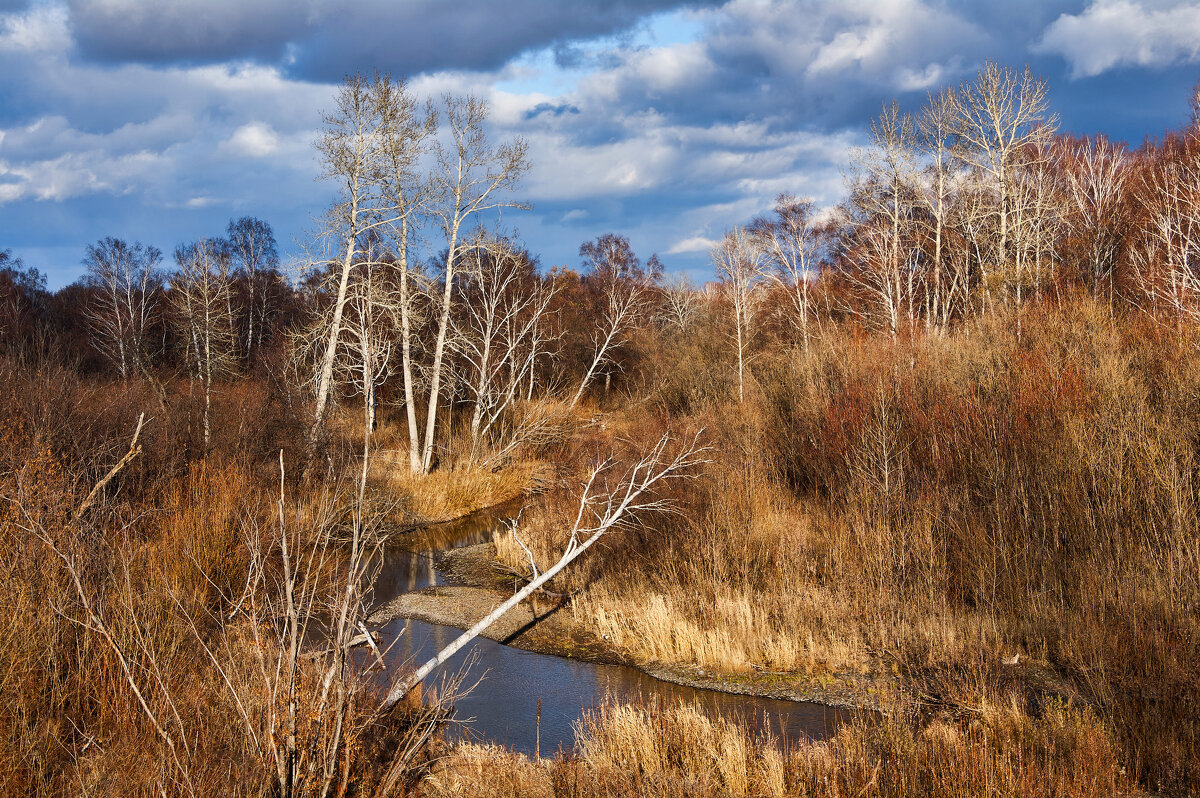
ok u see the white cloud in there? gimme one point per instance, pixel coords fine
(255, 140)
(692, 244)
(78, 173)
(1112, 33)
(42, 29)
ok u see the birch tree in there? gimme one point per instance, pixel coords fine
(1095, 172)
(201, 296)
(472, 178)
(882, 193)
(1000, 115)
(255, 253)
(936, 139)
(409, 128)
(1037, 216)
(497, 336)
(352, 154)
(370, 332)
(1167, 255)
(739, 261)
(680, 303)
(791, 248)
(127, 287)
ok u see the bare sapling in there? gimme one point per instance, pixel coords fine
(739, 261)
(138, 663)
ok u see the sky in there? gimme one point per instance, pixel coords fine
(668, 122)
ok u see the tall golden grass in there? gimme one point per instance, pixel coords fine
(676, 751)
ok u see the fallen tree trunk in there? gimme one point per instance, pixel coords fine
(612, 508)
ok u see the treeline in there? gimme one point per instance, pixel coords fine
(976, 205)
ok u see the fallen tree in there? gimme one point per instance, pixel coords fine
(604, 507)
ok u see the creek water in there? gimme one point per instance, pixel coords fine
(503, 707)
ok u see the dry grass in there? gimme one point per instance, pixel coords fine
(448, 494)
(162, 558)
(624, 750)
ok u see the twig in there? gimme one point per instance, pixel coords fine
(134, 450)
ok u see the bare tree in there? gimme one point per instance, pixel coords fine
(352, 152)
(739, 261)
(1037, 216)
(1167, 255)
(472, 177)
(200, 294)
(604, 507)
(1095, 172)
(791, 245)
(625, 286)
(255, 253)
(371, 327)
(936, 128)
(409, 128)
(680, 302)
(1001, 115)
(882, 192)
(497, 336)
(128, 285)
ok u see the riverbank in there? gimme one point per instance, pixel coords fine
(548, 626)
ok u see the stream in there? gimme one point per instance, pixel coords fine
(503, 707)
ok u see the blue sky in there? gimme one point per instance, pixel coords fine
(158, 120)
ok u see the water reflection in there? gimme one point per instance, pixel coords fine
(408, 563)
(503, 708)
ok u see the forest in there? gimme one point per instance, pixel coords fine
(932, 453)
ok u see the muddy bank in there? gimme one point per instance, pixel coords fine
(548, 626)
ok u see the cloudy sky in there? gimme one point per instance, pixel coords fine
(158, 120)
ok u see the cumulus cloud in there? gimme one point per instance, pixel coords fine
(39, 30)
(692, 244)
(76, 173)
(797, 61)
(256, 140)
(1112, 33)
(665, 120)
